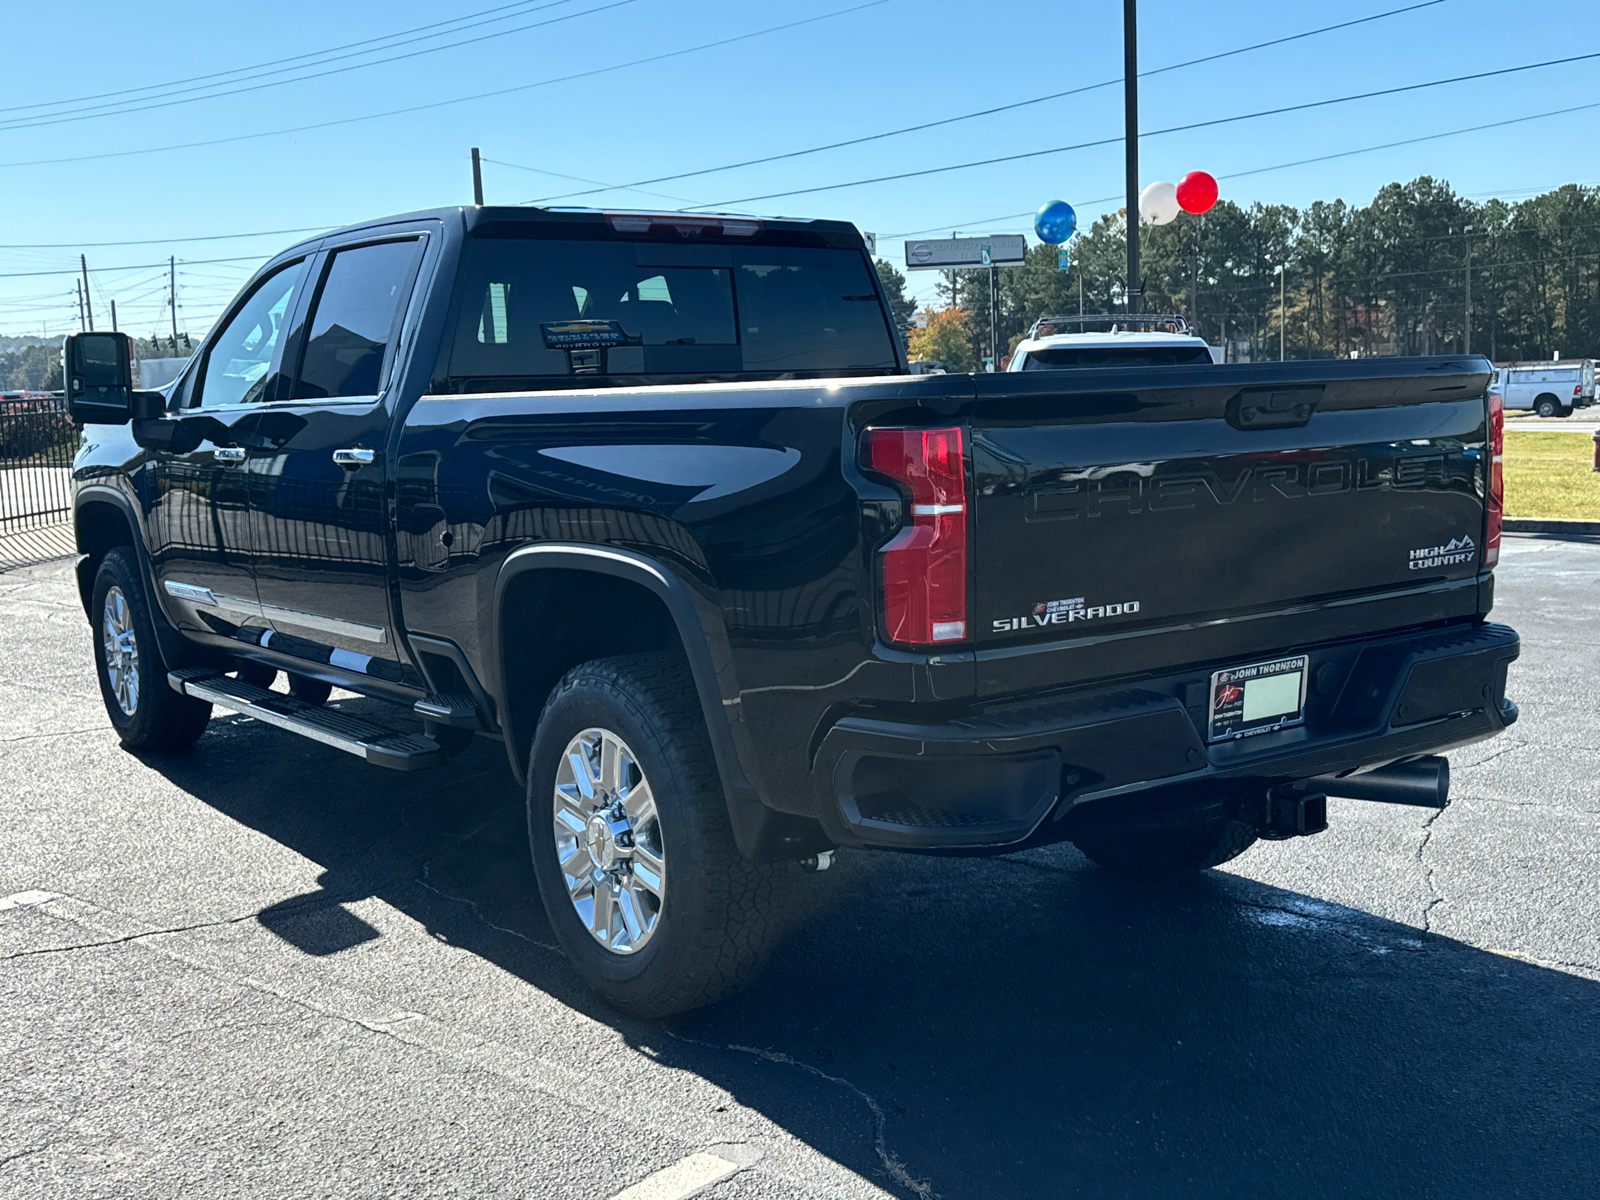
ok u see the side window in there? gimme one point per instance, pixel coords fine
(238, 364)
(351, 323)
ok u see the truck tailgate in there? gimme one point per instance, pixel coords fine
(1117, 500)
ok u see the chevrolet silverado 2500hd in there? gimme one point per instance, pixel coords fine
(653, 500)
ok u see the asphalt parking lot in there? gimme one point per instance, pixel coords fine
(264, 969)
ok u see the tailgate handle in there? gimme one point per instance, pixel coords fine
(1273, 408)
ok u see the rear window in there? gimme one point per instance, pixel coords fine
(1055, 358)
(534, 311)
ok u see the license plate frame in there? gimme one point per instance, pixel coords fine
(1231, 698)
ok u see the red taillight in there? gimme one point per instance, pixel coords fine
(925, 564)
(1496, 499)
(1577, 390)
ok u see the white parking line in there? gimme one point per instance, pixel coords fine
(684, 1178)
(24, 899)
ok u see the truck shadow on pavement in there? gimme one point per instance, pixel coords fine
(1019, 1026)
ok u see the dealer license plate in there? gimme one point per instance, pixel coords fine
(1257, 699)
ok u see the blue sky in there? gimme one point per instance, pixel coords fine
(881, 67)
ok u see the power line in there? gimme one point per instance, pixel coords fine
(132, 267)
(171, 241)
(89, 115)
(1193, 125)
(986, 112)
(155, 87)
(397, 112)
(602, 187)
(1299, 162)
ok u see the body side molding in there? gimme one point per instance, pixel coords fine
(239, 605)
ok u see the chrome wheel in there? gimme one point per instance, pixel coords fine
(608, 841)
(122, 651)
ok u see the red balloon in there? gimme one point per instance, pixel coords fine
(1197, 192)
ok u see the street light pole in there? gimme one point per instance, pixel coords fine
(1130, 101)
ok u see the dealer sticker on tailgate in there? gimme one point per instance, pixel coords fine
(1257, 699)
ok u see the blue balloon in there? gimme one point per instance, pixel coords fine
(1055, 222)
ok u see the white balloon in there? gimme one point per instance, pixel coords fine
(1158, 203)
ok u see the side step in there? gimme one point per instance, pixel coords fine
(448, 708)
(354, 735)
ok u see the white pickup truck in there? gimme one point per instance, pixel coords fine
(1550, 389)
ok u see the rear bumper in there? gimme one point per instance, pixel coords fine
(999, 776)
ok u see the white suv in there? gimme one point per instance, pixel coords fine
(1138, 341)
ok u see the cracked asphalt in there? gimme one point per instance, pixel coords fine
(264, 969)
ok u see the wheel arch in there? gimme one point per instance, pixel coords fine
(102, 519)
(582, 602)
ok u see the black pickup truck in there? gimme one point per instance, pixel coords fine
(653, 500)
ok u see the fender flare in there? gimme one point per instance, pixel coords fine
(762, 833)
(169, 642)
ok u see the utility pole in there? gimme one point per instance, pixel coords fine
(1130, 119)
(113, 316)
(88, 305)
(1194, 276)
(1466, 329)
(477, 179)
(1283, 309)
(172, 287)
(1080, 294)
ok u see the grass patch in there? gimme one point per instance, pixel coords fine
(1548, 475)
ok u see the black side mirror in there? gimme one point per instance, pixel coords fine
(98, 372)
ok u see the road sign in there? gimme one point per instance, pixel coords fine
(943, 253)
(1063, 257)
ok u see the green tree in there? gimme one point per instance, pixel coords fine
(947, 338)
(32, 369)
(901, 307)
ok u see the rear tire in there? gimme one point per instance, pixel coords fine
(257, 673)
(309, 691)
(653, 904)
(1169, 844)
(144, 710)
(1545, 406)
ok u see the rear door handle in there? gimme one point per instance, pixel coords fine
(230, 456)
(353, 458)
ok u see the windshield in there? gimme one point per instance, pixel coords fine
(533, 312)
(1056, 357)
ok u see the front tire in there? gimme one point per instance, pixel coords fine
(146, 713)
(647, 892)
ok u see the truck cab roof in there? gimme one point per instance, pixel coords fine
(527, 220)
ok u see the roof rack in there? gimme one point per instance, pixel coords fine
(1149, 322)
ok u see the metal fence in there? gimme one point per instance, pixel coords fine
(37, 442)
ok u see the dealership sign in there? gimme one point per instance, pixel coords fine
(1000, 249)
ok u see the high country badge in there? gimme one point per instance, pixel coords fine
(1453, 553)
